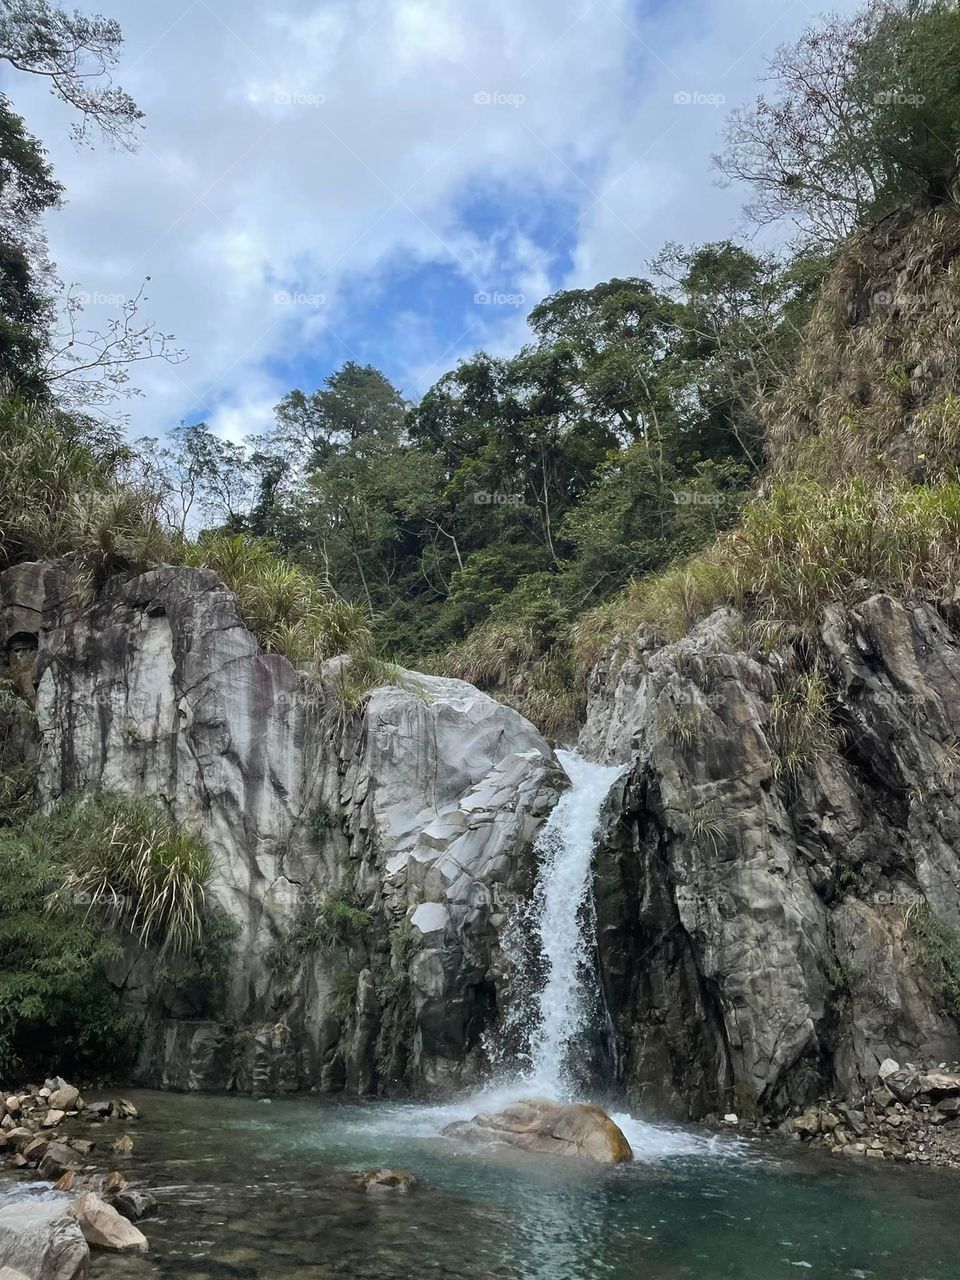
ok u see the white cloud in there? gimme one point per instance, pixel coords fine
(315, 145)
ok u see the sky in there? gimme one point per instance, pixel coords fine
(390, 181)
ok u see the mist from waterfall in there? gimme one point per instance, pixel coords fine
(560, 917)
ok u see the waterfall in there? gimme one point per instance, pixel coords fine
(558, 914)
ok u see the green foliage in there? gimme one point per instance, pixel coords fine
(129, 859)
(801, 725)
(57, 1010)
(320, 820)
(59, 494)
(863, 117)
(286, 607)
(803, 547)
(201, 975)
(938, 945)
(325, 930)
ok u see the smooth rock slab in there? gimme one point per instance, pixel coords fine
(549, 1128)
(41, 1239)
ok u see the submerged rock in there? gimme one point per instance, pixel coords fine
(549, 1128)
(401, 1180)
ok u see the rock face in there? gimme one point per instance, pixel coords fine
(767, 886)
(407, 824)
(571, 1130)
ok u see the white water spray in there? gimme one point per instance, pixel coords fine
(565, 854)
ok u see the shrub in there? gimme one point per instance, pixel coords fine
(287, 609)
(59, 496)
(938, 945)
(128, 857)
(799, 549)
(57, 1010)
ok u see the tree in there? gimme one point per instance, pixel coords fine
(75, 54)
(353, 401)
(196, 474)
(27, 189)
(863, 117)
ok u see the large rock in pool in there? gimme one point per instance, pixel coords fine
(549, 1128)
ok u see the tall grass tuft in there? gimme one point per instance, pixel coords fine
(802, 547)
(128, 857)
(287, 609)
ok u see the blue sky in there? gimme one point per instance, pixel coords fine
(323, 180)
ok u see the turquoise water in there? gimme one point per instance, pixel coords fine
(254, 1190)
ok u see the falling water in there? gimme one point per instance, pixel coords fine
(558, 915)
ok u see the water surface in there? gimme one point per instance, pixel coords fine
(262, 1191)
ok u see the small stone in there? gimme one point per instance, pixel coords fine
(53, 1117)
(887, 1068)
(123, 1145)
(65, 1181)
(34, 1151)
(731, 1118)
(115, 1182)
(82, 1145)
(18, 1161)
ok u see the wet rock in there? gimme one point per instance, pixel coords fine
(374, 1180)
(114, 1182)
(429, 796)
(34, 1151)
(122, 1146)
(42, 1240)
(549, 1128)
(105, 1228)
(52, 1119)
(735, 905)
(64, 1098)
(57, 1160)
(135, 1204)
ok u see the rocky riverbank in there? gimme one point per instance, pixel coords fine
(48, 1235)
(911, 1115)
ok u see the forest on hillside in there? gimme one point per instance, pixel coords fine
(495, 529)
